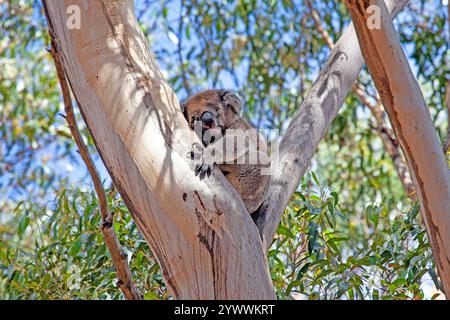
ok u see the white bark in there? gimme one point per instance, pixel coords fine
(204, 239)
(309, 125)
(410, 118)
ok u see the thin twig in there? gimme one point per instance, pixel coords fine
(326, 36)
(388, 139)
(118, 256)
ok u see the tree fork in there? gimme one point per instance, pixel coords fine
(200, 232)
(389, 142)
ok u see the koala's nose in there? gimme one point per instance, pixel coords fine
(208, 119)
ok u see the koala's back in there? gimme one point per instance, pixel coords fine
(245, 174)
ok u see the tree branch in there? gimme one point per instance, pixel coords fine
(411, 121)
(315, 15)
(118, 256)
(447, 96)
(309, 125)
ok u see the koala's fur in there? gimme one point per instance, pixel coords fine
(223, 109)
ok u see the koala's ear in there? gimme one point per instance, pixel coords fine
(183, 107)
(231, 99)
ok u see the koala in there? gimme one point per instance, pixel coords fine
(215, 116)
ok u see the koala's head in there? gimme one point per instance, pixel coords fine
(213, 111)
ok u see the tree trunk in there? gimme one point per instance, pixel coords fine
(203, 237)
(410, 118)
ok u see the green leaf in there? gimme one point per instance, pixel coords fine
(336, 198)
(285, 231)
(372, 213)
(399, 282)
(302, 271)
(313, 232)
(434, 277)
(315, 178)
(23, 224)
(75, 248)
(435, 296)
(150, 296)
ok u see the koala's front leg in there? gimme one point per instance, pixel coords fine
(202, 169)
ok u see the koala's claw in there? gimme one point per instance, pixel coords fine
(202, 170)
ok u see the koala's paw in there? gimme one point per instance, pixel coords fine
(203, 170)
